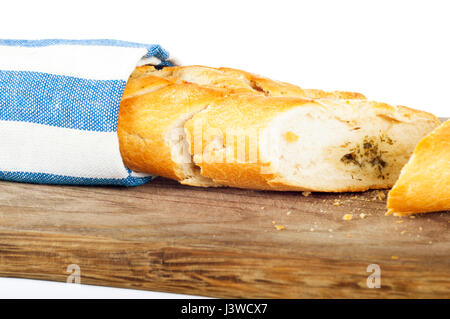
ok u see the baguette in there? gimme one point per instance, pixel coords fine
(156, 104)
(224, 127)
(424, 182)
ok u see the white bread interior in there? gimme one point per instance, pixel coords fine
(338, 148)
(179, 150)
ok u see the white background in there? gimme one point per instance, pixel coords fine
(392, 51)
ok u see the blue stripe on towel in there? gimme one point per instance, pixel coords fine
(153, 49)
(44, 178)
(61, 101)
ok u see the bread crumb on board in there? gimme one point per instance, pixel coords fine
(381, 195)
(347, 217)
(362, 215)
(306, 194)
(337, 202)
(279, 227)
(395, 257)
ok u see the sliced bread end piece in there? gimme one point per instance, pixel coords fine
(424, 182)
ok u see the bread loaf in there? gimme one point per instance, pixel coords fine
(424, 182)
(211, 127)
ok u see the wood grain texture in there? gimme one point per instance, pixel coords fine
(222, 242)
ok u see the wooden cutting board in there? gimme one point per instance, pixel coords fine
(222, 242)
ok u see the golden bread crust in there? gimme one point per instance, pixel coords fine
(283, 89)
(242, 82)
(424, 183)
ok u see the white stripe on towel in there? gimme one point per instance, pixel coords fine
(89, 62)
(35, 148)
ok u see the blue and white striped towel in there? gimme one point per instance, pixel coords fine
(59, 105)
